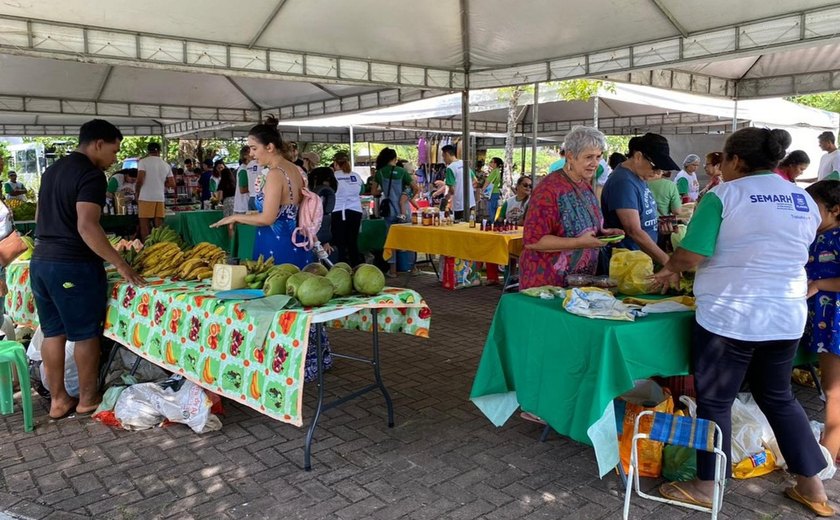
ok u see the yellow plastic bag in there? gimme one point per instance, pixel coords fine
(757, 465)
(632, 270)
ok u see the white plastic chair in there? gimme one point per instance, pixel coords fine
(683, 431)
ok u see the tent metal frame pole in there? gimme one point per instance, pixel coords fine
(465, 152)
(535, 120)
(595, 109)
(735, 116)
(352, 155)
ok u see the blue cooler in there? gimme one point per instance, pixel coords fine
(406, 261)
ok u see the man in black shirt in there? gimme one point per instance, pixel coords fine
(67, 275)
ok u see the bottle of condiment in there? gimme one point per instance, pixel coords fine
(472, 219)
(437, 218)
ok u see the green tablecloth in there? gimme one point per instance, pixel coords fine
(568, 369)
(194, 227)
(372, 235)
(245, 236)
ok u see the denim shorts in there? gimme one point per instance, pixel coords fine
(70, 298)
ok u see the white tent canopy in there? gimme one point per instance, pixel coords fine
(451, 44)
(625, 108)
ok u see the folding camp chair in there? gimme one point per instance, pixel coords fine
(677, 430)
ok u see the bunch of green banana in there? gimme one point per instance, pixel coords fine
(162, 259)
(164, 234)
(260, 265)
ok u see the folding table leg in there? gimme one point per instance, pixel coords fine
(307, 449)
(545, 433)
(103, 374)
(376, 372)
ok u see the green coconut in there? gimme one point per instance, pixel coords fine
(294, 281)
(343, 265)
(286, 268)
(341, 280)
(316, 268)
(368, 280)
(315, 291)
(276, 284)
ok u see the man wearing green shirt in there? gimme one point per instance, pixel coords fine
(454, 182)
(122, 182)
(493, 187)
(14, 189)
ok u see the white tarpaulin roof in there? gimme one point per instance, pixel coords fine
(432, 44)
(628, 106)
(158, 62)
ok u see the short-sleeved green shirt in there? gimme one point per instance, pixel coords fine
(495, 177)
(113, 184)
(450, 177)
(666, 195)
(395, 174)
(242, 178)
(702, 234)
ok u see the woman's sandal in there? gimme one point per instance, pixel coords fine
(681, 495)
(818, 508)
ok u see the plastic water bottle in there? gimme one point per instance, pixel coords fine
(472, 219)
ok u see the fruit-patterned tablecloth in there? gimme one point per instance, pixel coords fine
(220, 344)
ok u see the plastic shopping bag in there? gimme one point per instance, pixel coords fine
(632, 270)
(646, 395)
(146, 405)
(679, 463)
(459, 274)
(71, 373)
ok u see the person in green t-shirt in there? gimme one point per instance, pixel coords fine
(122, 181)
(14, 189)
(492, 187)
(389, 182)
(666, 194)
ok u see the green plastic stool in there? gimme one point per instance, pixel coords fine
(12, 352)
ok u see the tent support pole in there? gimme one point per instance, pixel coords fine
(465, 149)
(595, 108)
(735, 116)
(352, 155)
(535, 119)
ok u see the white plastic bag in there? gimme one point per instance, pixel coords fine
(830, 469)
(71, 373)
(146, 405)
(750, 430)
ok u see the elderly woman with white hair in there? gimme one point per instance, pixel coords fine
(687, 183)
(563, 219)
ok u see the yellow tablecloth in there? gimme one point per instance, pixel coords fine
(458, 241)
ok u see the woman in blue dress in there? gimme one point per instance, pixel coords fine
(278, 200)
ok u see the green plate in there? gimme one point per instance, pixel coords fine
(611, 239)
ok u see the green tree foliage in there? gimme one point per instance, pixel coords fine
(826, 101)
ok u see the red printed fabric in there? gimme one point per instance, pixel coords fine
(562, 208)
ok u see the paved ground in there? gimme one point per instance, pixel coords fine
(442, 460)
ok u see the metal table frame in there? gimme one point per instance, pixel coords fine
(321, 406)
(378, 384)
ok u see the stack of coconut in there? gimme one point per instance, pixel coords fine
(316, 285)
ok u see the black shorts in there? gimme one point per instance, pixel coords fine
(70, 297)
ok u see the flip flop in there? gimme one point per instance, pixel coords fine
(531, 417)
(683, 495)
(70, 411)
(818, 508)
